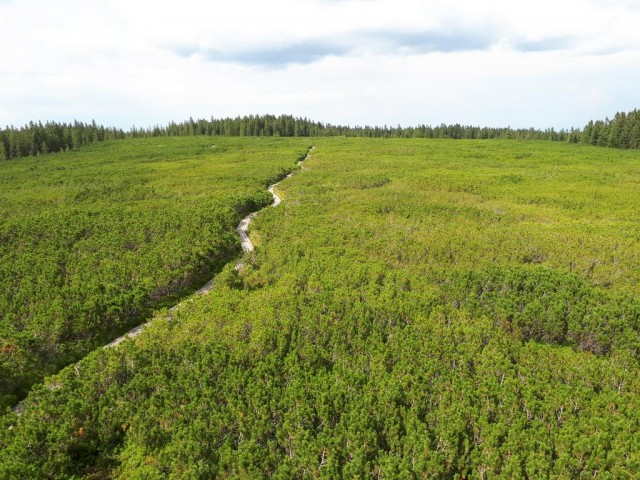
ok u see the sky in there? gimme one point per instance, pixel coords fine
(548, 63)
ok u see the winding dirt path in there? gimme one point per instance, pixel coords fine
(245, 242)
(247, 246)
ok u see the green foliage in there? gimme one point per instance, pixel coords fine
(415, 309)
(289, 126)
(623, 131)
(37, 139)
(92, 241)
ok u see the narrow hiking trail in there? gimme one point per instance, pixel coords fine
(247, 246)
(245, 242)
(243, 226)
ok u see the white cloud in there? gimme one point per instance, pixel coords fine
(385, 61)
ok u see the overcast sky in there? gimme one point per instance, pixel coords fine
(544, 64)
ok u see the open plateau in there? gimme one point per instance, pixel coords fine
(448, 308)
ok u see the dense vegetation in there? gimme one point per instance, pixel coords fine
(414, 309)
(92, 241)
(36, 139)
(289, 126)
(623, 131)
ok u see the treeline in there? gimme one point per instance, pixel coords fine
(623, 131)
(36, 138)
(290, 126)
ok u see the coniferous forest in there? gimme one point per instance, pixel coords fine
(623, 131)
(432, 302)
(35, 139)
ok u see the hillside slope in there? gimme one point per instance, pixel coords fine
(92, 241)
(413, 309)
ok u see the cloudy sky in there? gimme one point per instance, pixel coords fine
(485, 62)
